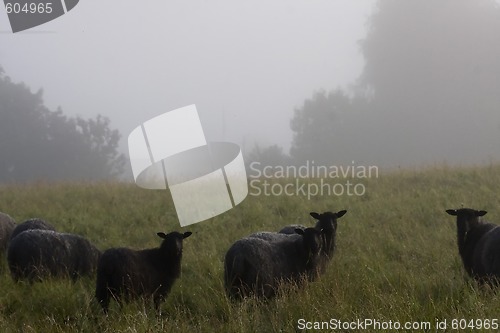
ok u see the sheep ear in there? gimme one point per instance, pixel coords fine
(452, 212)
(161, 234)
(315, 215)
(299, 231)
(187, 234)
(481, 213)
(341, 213)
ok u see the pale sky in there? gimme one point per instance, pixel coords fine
(245, 64)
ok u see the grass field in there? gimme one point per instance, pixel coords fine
(396, 258)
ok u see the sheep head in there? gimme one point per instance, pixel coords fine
(327, 220)
(466, 217)
(172, 242)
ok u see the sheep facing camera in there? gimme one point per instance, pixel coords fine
(24, 14)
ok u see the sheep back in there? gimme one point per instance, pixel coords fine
(271, 236)
(31, 224)
(257, 264)
(290, 229)
(37, 254)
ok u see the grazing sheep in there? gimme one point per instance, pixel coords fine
(328, 223)
(478, 245)
(259, 263)
(37, 254)
(129, 273)
(31, 224)
(7, 224)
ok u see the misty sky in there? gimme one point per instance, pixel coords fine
(248, 62)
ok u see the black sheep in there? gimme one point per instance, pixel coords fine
(259, 263)
(328, 223)
(37, 254)
(478, 245)
(126, 273)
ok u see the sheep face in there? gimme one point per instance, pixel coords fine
(328, 220)
(172, 242)
(328, 223)
(467, 218)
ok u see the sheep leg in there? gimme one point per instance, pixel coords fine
(239, 287)
(157, 300)
(103, 299)
(102, 295)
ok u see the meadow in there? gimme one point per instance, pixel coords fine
(396, 259)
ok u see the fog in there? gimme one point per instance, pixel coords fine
(248, 65)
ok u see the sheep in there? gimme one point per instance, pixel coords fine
(36, 254)
(257, 264)
(34, 223)
(7, 224)
(131, 274)
(478, 245)
(328, 223)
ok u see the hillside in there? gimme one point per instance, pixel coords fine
(396, 258)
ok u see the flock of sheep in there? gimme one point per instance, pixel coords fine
(255, 265)
(36, 251)
(258, 263)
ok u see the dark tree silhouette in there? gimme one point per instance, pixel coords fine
(39, 144)
(314, 126)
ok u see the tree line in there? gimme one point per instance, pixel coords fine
(39, 144)
(429, 92)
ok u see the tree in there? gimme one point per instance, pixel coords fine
(320, 128)
(433, 74)
(429, 91)
(39, 144)
(269, 156)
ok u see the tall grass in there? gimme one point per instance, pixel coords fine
(396, 256)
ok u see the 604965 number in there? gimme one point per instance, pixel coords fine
(28, 8)
(475, 324)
